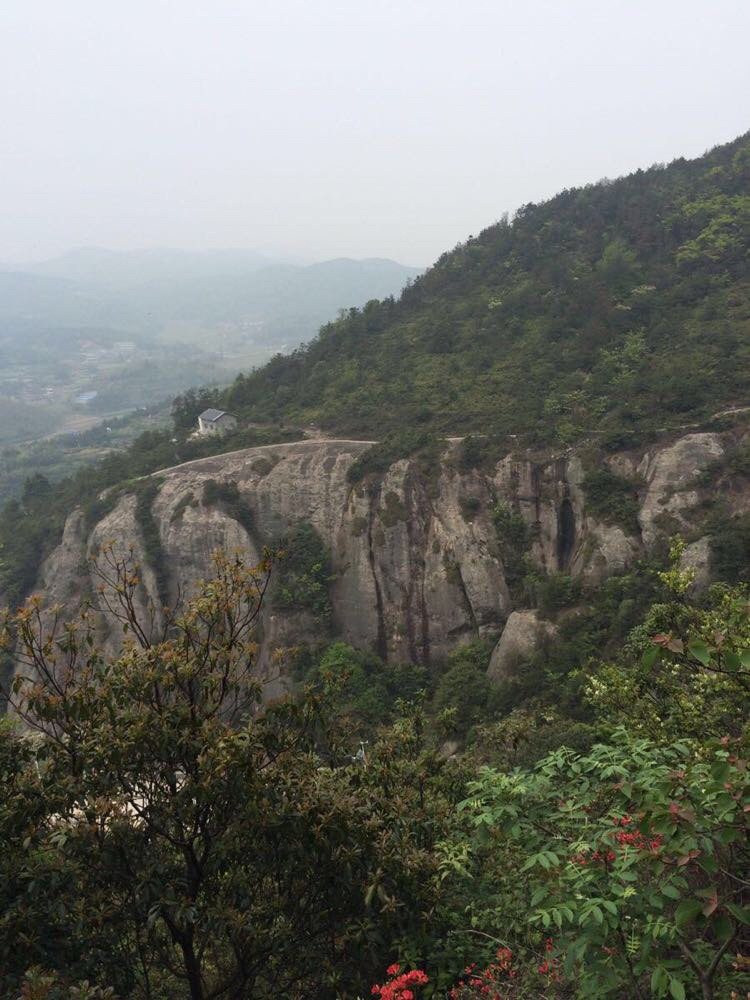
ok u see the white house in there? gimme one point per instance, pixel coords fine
(215, 422)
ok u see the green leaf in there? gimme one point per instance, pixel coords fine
(539, 895)
(720, 771)
(700, 651)
(687, 911)
(650, 657)
(658, 980)
(728, 835)
(670, 892)
(732, 661)
(723, 927)
(741, 913)
(676, 989)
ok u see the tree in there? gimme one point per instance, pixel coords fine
(206, 848)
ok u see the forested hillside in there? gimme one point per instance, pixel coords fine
(615, 309)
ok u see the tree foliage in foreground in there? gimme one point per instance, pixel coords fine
(165, 835)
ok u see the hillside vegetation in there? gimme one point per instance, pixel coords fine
(616, 309)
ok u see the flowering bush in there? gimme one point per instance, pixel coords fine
(632, 853)
(500, 979)
(399, 986)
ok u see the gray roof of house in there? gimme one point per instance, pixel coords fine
(211, 414)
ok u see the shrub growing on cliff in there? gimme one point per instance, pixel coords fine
(304, 573)
(146, 492)
(612, 498)
(228, 495)
(367, 689)
(514, 538)
(405, 443)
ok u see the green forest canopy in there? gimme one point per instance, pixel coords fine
(613, 309)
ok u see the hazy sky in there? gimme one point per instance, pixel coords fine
(318, 129)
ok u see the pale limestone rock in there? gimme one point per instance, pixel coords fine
(416, 564)
(605, 549)
(671, 474)
(416, 571)
(697, 557)
(62, 570)
(523, 634)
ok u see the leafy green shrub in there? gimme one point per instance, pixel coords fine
(365, 687)
(510, 526)
(555, 592)
(398, 444)
(463, 689)
(303, 574)
(100, 506)
(729, 538)
(181, 506)
(227, 494)
(470, 507)
(514, 538)
(734, 465)
(631, 881)
(612, 498)
(395, 510)
(264, 464)
(479, 451)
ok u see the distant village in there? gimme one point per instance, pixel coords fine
(68, 379)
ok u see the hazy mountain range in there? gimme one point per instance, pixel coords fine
(97, 332)
(149, 291)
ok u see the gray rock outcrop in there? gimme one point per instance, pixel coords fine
(523, 634)
(672, 475)
(416, 558)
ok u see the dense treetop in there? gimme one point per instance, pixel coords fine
(620, 307)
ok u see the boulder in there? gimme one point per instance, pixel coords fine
(523, 634)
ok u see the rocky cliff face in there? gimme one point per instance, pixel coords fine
(417, 564)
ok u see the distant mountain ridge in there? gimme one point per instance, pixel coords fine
(118, 268)
(146, 291)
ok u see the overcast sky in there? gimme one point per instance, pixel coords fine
(319, 128)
